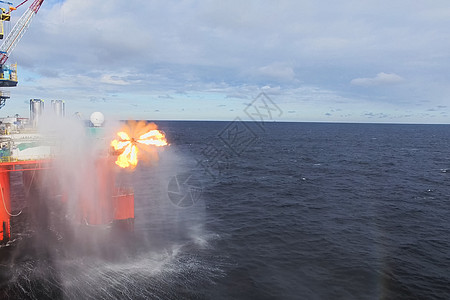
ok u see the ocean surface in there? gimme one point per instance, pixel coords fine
(236, 210)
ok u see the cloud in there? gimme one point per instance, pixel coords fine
(375, 115)
(112, 79)
(277, 71)
(166, 96)
(381, 79)
(307, 52)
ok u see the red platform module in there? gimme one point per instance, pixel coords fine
(97, 201)
(101, 202)
(5, 208)
(5, 192)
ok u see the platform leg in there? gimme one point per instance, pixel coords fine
(5, 206)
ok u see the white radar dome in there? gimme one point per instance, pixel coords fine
(97, 118)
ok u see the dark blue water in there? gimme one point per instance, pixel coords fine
(280, 211)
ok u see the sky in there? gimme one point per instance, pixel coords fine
(317, 61)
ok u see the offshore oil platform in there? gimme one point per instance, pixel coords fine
(95, 200)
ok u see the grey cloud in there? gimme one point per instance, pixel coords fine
(165, 96)
(376, 115)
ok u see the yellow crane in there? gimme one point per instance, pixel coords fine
(8, 73)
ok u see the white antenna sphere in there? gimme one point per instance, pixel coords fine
(97, 118)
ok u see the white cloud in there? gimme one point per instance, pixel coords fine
(381, 79)
(277, 71)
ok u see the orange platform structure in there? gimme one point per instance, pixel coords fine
(97, 201)
(5, 190)
(5, 208)
(101, 201)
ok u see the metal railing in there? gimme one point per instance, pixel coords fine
(5, 94)
(10, 159)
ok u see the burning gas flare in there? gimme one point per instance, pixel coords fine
(136, 136)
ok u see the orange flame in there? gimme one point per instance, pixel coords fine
(133, 137)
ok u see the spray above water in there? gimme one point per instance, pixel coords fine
(83, 208)
(136, 136)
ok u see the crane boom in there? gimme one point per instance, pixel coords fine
(18, 30)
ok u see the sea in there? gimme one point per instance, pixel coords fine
(258, 210)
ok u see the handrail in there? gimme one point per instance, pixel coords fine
(9, 159)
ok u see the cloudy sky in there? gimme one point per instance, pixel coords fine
(333, 61)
